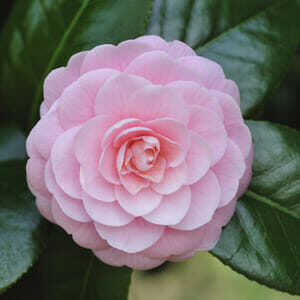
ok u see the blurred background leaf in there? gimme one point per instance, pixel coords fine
(42, 35)
(254, 41)
(284, 105)
(66, 271)
(22, 228)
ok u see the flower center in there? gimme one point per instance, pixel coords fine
(142, 153)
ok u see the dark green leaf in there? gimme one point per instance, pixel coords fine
(5, 7)
(22, 229)
(262, 240)
(66, 271)
(12, 143)
(253, 40)
(42, 35)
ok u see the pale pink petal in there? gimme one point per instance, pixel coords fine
(110, 214)
(139, 204)
(118, 127)
(245, 180)
(195, 94)
(43, 109)
(61, 219)
(155, 102)
(171, 129)
(135, 261)
(198, 158)
(156, 42)
(227, 86)
(241, 136)
(159, 68)
(178, 49)
(94, 184)
(130, 133)
(87, 142)
(44, 206)
(229, 169)
(223, 215)
(171, 151)
(114, 95)
(211, 235)
(64, 163)
(172, 208)
(116, 57)
(206, 195)
(77, 102)
(86, 236)
(108, 164)
(175, 242)
(176, 258)
(133, 237)
(173, 180)
(231, 110)
(41, 139)
(209, 126)
(208, 70)
(133, 183)
(60, 78)
(156, 173)
(35, 171)
(72, 207)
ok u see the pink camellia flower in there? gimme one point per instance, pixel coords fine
(141, 151)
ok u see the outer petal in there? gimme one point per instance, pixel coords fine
(134, 237)
(43, 135)
(173, 180)
(159, 68)
(229, 170)
(209, 126)
(172, 209)
(241, 136)
(114, 95)
(76, 104)
(156, 42)
(208, 70)
(140, 204)
(178, 49)
(115, 57)
(61, 219)
(119, 258)
(198, 158)
(73, 208)
(35, 170)
(206, 195)
(155, 102)
(245, 180)
(175, 242)
(86, 236)
(227, 86)
(195, 94)
(44, 205)
(64, 164)
(110, 214)
(60, 78)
